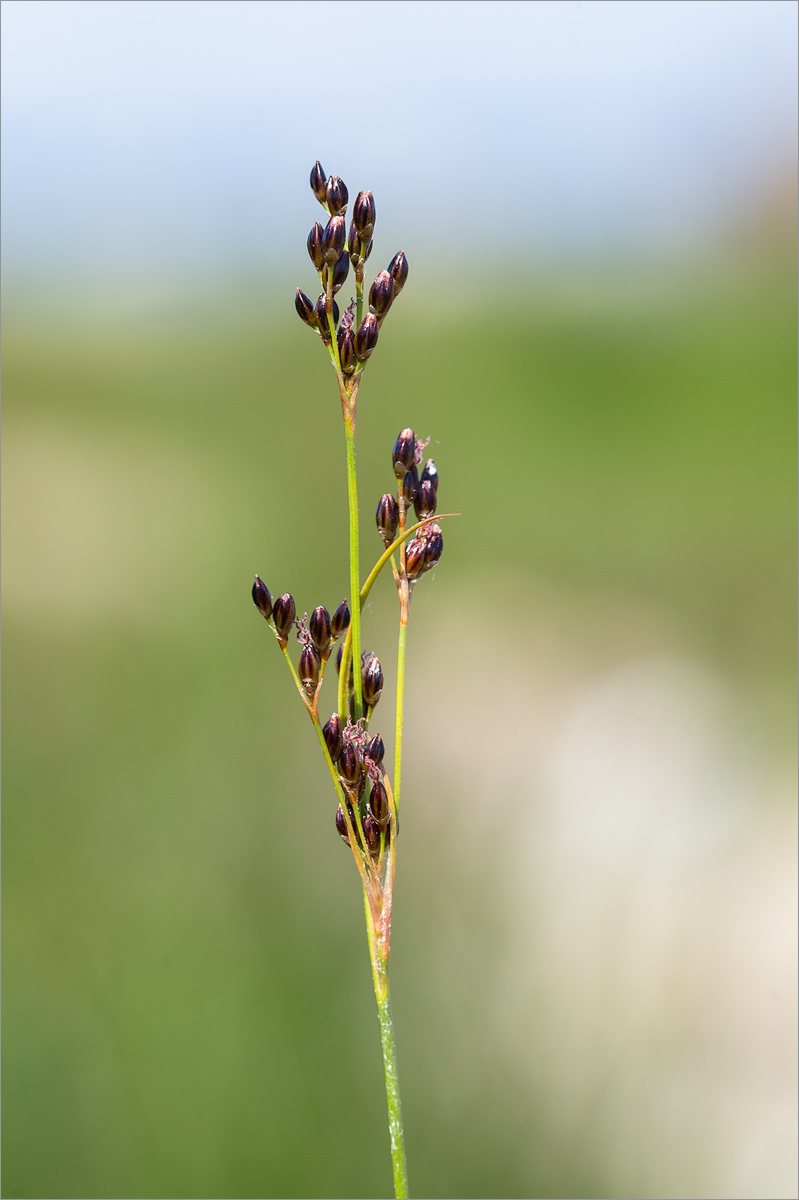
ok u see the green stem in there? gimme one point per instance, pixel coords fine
(355, 585)
(395, 1127)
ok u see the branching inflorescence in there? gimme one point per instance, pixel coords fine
(367, 817)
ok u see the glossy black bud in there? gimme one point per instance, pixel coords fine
(375, 749)
(378, 802)
(341, 824)
(366, 337)
(318, 182)
(283, 614)
(371, 833)
(433, 547)
(349, 765)
(398, 270)
(430, 473)
(414, 558)
(261, 597)
(334, 238)
(346, 351)
(363, 214)
(340, 271)
(309, 669)
(404, 452)
(340, 619)
(425, 502)
(381, 293)
(315, 246)
(320, 631)
(336, 195)
(410, 484)
(321, 317)
(372, 681)
(387, 518)
(306, 309)
(332, 732)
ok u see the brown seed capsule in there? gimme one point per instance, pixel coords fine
(322, 321)
(381, 293)
(306, 309)
(378, 802)
(430, 473)
(315, 246)
(371, 833)
(349, 766)
(332, 732)
(309, 669)
(333, 240)
(433, 546)
(261, 597)
(366, 337)
(363, 214)
(318, 182)
(425, 502)
(414, 558)
(375, 749)
(372, 681)
(387, 518)
(340, 619)
(340, 271)
(341, 825)
(346, 351)
(398, 270)
(404, 452)
(336, 195)
(320, 631)
(283, 614)
(410, 484)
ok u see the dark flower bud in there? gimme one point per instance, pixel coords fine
(318, 182)
(283, 615)
(378, 802)
(375, 749)
(414, 558)
(321, 317)
(341, 270)
(425, 502)
(306, 309)
(261, 598)
(336, 195)
(341, 824)
(340, 619)
(433, 546)
(372, 681)
(404, 452)
(410, 484)
(381, 293)
(346, 351)
(398, 270)
(371, 833)
(366, 337)
(354, 245)
(315, 246)
(309, 669)
(430, 473)
(319, 629)
(332, 731)
(333, 240)
(349, 765)
(387, 517)
(363, 214)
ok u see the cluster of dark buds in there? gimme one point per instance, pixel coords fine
(368, 800)
(333, 249)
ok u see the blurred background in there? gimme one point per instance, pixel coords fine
(594, 953)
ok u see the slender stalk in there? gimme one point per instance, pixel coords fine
(355, 584)
(403, 632)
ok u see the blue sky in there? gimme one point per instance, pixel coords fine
(180, 134)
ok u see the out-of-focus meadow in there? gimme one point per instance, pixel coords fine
(594, 952)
